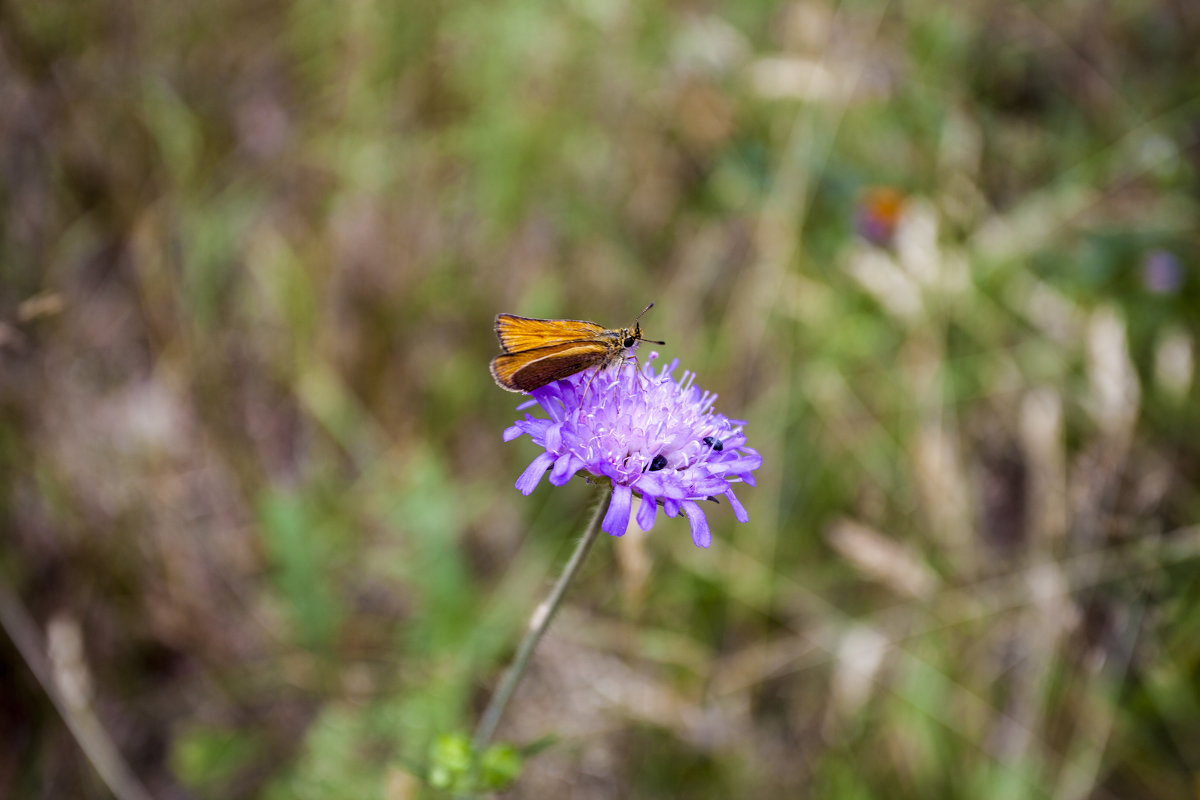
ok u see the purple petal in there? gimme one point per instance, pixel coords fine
(650, 483)
(739, 511)
(647, 511)
(617, 518)
(554, 438)
(512, 433)
(744, 463)
(656, 484)
(670, 507)
(536, 428)
(610, 471)
(533, 473)
(700, 533)
(707, 487)
(564, 469)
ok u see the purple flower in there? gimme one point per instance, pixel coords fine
(1161, 272)
(651, 435)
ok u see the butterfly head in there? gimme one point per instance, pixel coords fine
(632, 335)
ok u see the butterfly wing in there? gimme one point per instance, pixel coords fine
(531, 369)
(522, 333)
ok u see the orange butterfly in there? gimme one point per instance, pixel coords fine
(540, 351)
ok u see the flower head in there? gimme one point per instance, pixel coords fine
(648, 433)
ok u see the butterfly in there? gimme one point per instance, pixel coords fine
(540, 351)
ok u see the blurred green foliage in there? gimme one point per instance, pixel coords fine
(251, 452)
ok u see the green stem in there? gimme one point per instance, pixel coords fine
(538, 623)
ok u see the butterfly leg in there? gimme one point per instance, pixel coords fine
(636, 371)
(589, 383)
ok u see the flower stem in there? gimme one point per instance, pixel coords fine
(538, 623)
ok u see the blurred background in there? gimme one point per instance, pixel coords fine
(260, 535)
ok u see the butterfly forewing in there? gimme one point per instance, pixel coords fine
(522, 333)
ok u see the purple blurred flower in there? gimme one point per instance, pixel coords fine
(649, 434)
(1161, 272)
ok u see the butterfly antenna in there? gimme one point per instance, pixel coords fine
(638, 319)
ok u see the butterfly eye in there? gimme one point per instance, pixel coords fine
(629, 341)
(715, 444)
(658, 463)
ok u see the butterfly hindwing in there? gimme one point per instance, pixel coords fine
(530, 369)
